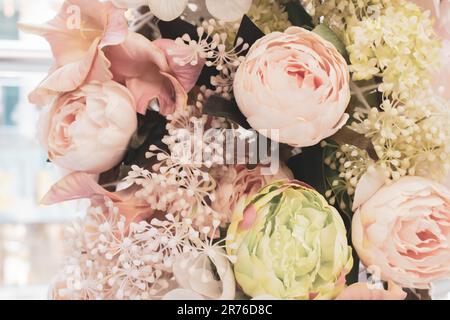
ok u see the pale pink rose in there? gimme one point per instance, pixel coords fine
(238, 181)
(403, 231)
(295, 82)
(77, 36)
(79, 185)
(89, 129)
(362, 291)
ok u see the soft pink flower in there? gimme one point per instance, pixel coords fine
(91, 42)
(148, 69)
(79, 185)
(361, 291)
(295, 82)
(237, 182)
(89, 129)
(403, 230)
(77, 36)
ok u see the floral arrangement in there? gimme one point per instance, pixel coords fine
(251, 149)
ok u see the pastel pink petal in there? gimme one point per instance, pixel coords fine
(187, 75)
(93, 66)
(159, 86)
(429, 5)
(249, 218)
(367, 186)
(116, 26)
(143, 67)
(78, 185)
(361, 291)
(179, 94)
(443, 25)
(67, 45)
(67, 40)
(134, 57)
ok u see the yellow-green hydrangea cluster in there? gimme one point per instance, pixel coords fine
(269, 15)
(351, 163)
(398, 45)
(390, 42)
(339, 14)
(410, 138)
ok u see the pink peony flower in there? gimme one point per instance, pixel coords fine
(91, 42)
(361, 291)
(403, 229)
(237, 182)
(79, 185)
(295, 82)
(89, 129)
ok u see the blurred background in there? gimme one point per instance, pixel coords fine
(30, 234)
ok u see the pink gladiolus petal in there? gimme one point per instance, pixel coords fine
(78, 185)
(76, 36)
(188, 74)
(143, 67)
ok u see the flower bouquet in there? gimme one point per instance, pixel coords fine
(251, 149)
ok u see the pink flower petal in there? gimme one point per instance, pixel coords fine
(78, 185)
(143, 67)
(187, 75)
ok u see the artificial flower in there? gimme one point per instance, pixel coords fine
(362, 291)
(403, 230)
(91, 42)
(230, 10)
(301, 65)
(237, 182)
(89, 129)
(79, 185)
(148, 70)
(109, 259)
(197, 273)
(289, 243)
(440, 76)
(77, 36)
(440, 11)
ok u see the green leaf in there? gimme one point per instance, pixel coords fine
(217, 106)
(298, 15)
(326, 33)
